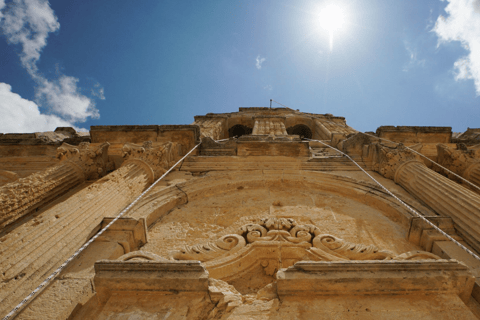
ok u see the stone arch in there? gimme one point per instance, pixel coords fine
(301, 130)
(239, 130)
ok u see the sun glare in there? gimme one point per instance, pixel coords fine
(332, 19)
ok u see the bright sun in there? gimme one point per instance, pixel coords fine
(332, 19)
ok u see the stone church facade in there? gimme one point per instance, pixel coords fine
(263, 220)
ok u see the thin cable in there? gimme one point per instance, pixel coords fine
(403, 203)
(416, 152)
(281, 104)
(40, 288)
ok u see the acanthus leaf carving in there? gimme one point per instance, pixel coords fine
(458, 161)
(158, 156)
(93, 162)
(391, 159)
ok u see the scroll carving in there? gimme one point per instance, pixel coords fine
(93, 163)
(158, 156)
(285, 230)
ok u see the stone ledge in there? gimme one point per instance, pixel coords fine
(160, 276)
(376, 277)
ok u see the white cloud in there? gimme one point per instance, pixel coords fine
(63, 98)
(28, 23)
(268, 87)
(21, 115)
(259, 62)
(463, 24)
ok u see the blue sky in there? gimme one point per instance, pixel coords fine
(83, 63)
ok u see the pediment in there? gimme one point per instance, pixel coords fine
(274, 243)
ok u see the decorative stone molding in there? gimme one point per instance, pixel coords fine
(269, 125)
(424, 235)
(391, 160)
(91, 162)
(285, 230)
(463, 161)
(376, 277)
(155, 158)
(131, 234)
(211, 127)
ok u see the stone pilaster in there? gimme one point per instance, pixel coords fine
(78, 163)
(463, 161)
(211, 127)
(38, 247)
(269, 125)
(441, 194)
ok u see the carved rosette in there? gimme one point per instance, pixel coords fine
(285, 230)
(155, 158)
(463, 161)
(391, 160)
(91, 162)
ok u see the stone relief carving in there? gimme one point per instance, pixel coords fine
(276, 230)
(158, 156)
(391, 159)
(458, 161)
(93, 162)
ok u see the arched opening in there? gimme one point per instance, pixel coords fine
(239, 130)
(300, 129)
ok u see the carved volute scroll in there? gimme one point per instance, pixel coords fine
(157, 157)
(390, 160)
(275, 231)
(92, 162)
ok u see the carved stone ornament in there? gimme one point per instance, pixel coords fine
(92, 162)
(391, 159)
(158, 156)
(458, 161)
(285, 230)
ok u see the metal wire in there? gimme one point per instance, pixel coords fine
(42, 286)
(403, 203)
(416, 152)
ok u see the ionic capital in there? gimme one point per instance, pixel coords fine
(391, 160)
(159, 157)
(92, 162)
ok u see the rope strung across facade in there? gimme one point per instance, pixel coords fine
(43, 285)
(423, 156)
(403, 203)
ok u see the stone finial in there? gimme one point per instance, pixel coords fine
(158, 156)
(391, 159)
(93, 162)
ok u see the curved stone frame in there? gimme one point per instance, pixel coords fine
(216, 183)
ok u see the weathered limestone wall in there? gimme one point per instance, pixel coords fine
(30, 253)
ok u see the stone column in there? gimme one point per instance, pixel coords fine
(79, 163)
(211, 127)
(463, 161)
(441, 194)
(30, 253)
